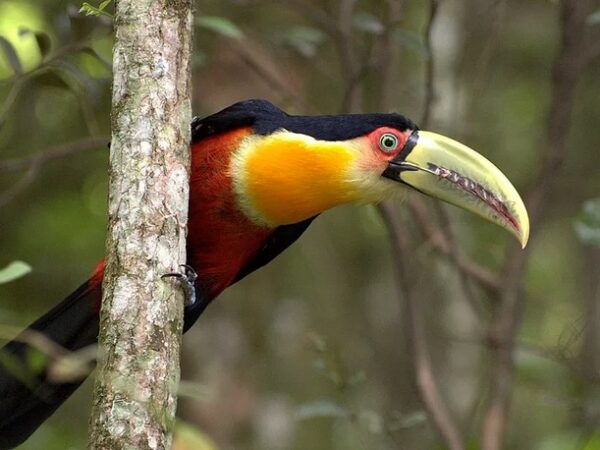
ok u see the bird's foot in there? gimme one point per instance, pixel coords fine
(187, 278)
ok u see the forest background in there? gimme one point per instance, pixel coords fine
(319, 350)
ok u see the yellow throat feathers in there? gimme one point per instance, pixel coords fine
(286, 177)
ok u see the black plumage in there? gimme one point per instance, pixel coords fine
(265, 118)
(73, 324)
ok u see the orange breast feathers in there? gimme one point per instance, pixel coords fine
(221, 239)
(285, 177)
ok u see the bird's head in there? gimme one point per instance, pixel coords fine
(294, 167)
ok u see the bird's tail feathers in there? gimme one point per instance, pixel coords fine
(29, 390)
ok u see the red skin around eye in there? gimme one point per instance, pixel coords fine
(375, 135)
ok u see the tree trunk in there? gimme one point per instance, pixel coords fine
(135, 394)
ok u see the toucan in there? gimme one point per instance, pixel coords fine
(258, 178)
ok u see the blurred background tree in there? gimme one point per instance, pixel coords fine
(319, 349)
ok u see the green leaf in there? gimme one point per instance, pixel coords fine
(220, 25)
(368, 23)
(320, 408)
(14, 270)
(91, 10)
(587, 225)
(593, 18)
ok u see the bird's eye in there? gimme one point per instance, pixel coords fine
(388, 142)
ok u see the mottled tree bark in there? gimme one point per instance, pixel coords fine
(141, 318)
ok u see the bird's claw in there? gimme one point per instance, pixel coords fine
(188, 279)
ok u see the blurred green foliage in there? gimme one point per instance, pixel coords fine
(188, 437)
(587, 224)
(100, 10)
(19, 23)
(310, 353)
(13, 271)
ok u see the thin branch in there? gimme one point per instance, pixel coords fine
(34, 162)
(429, 66)
(556, 355)
(430, 396)
(56, 151)
(434, 404)
(351, 69)
(63, 366)
(20, 186)
(455, 254)
(590, 350)
(34, 339)
(53, 61)
(388, 54)
(10, 98)
(485, 277)
(311, 12)
(442, 240)
(592, 53)
(344, 37)
(508, 315)
(492, 17)
(275, 81)
(340, 30)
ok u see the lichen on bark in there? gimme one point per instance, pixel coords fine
(141, 318)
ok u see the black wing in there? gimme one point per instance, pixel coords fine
(264, 118)
(261, 115)
(281, 238)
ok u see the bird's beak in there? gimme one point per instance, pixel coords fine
(443, 168)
